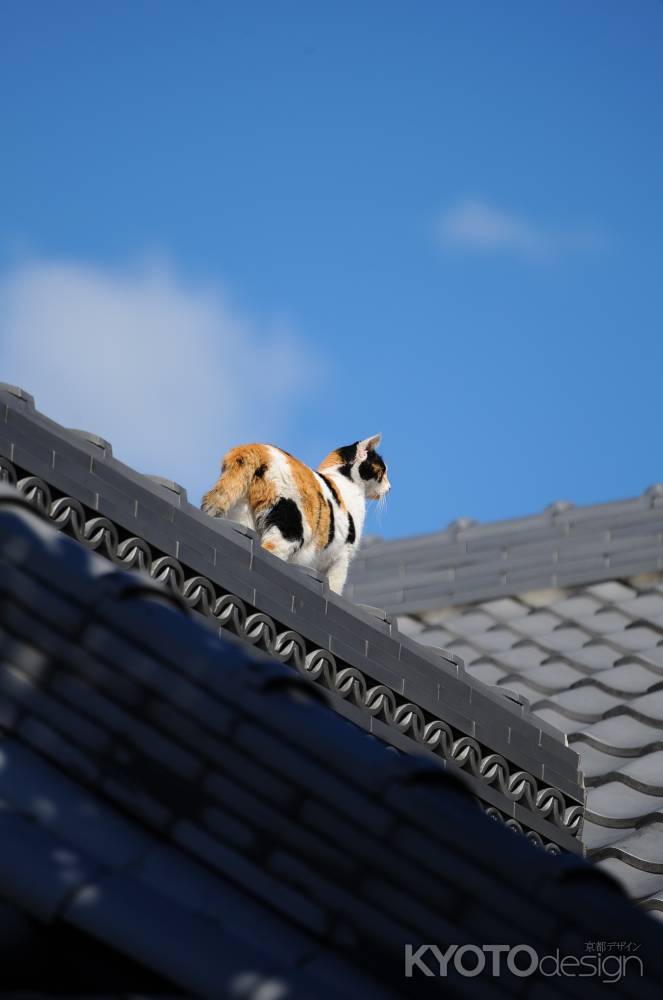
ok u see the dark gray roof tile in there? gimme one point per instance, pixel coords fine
(39, 871)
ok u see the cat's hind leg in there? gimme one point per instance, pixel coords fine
(337, 573)
(282, 529)
(273, 541)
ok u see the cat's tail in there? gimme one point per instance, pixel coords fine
(239, 467)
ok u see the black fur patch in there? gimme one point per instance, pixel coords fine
(351, 530)
(260, 471)
(332, 489)
(372, 467)
(377, 460)
(348, 453)
(286, 516)
(332, 527)
(346, 470)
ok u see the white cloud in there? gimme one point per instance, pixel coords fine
(473, 224)
(170, 373)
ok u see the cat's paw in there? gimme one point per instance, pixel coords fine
(208, 506)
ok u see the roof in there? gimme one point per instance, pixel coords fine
(565, 608)
(178, 800)
(415, 699)
(471, 562)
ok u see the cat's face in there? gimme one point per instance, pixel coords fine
(361, 463)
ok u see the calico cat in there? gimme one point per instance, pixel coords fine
(305, 517)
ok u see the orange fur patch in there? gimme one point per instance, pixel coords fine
(332, 461)
(236, 479)
(311, 500)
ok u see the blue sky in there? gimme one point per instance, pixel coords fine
(309, 222)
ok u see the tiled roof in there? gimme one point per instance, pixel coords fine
(469, 562)
(415, 699)
(571, 631)
(197, 809)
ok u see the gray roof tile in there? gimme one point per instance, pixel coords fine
(638, 637)
(604, 622)
(437, 637)
(638, 884)
(470, 623)
(496, 639)
(560, 720)
(523, 656)
(577, 606)
(644, 773)
(654, 655)
(409, 625)
(616, 804)
(595, 836)
(503, 608)
(612, 591)
(648, 606)
(597, 763)
(586, 703)
(642, 847)
(627, 679)
(623, 733)
(553, 675)
(486, 671)
(649, 707)
(561, 640)
(535, 623)
(597, 656)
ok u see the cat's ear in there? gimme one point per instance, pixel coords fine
(365, 446)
